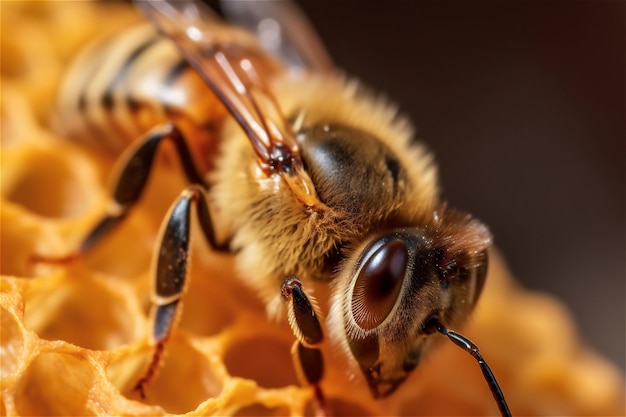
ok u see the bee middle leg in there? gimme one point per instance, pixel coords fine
(305, 325)
(132, 173)
(172, 260)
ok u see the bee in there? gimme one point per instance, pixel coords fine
(313, 177)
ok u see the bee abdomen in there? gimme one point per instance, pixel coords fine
(118, 89)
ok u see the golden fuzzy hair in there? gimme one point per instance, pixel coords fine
(274, 233)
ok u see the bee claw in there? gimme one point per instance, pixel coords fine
(322, 409)
(139, 388)
(150, 373)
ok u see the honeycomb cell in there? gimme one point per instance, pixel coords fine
(17, 242)
(209, 307)
(56, 384)
(22, 63)
(11, 343)
(185, 379)
(48, 183)
(206, 314)
(82, 310)
(18, 63)
(270, 364)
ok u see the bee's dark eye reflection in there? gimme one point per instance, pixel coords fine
(379, 283)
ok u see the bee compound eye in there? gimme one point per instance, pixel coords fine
(379, 283)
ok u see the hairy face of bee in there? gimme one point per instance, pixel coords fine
(401, 281)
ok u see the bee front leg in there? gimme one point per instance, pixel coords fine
(305, 325)
(171, 262)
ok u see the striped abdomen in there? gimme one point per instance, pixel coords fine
(118, 89)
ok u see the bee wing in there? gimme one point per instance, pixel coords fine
(234, 66)
(282, 29)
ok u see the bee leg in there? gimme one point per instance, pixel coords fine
(309, 364)
(172, 259)
(164, 321)
(133, 173)
(133, 170)
(304, 322)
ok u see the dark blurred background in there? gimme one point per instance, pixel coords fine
(523, 104)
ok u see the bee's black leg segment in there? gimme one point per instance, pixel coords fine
(164, 317)
(172, 261)
(302, 315)
(136, 163)
(304, 322)
(309, 364)
(467, 345)
(102, 228)
(310, 361)
(133, 171)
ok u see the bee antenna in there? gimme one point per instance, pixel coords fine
(465, 344)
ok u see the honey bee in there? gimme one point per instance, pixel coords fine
(313, 177)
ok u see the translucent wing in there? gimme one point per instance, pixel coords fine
(283, 29)
(234, 66)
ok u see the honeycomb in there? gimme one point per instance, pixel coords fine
(75, 337)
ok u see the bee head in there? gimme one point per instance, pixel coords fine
(402, 282)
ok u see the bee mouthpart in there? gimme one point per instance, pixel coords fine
(302, 186)
(380, 387)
